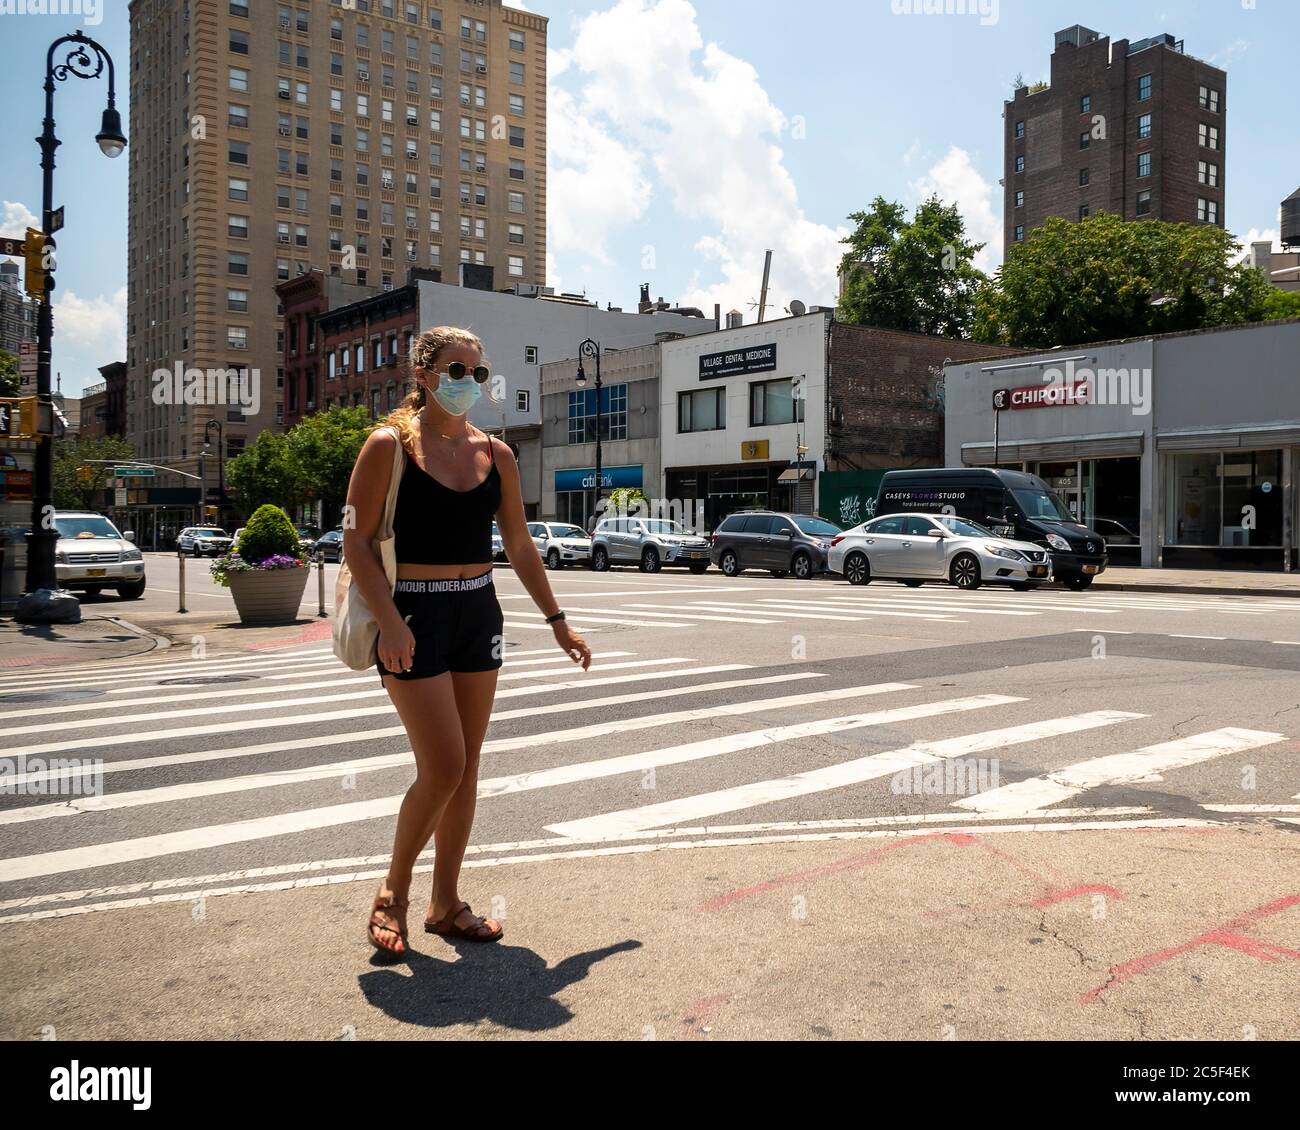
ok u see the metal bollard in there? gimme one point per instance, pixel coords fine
(320, 583)
(181, 581)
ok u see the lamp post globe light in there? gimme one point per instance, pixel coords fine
(221, 469)
(84, 58)
(591, 349)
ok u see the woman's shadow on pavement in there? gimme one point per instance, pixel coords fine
(507, 985)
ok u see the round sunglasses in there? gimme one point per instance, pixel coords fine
(458, 371)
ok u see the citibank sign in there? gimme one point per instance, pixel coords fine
(610, 478)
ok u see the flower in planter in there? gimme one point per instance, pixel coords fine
(269, 541)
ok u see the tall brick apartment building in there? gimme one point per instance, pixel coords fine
(1135, 129)
(274, 138)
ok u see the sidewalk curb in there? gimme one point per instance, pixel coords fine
(1199, 590)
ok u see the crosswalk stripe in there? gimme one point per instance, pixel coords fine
(838, 776)
(937, 606)
(679, 615)
(180, 669)
(201, 704)
(282, 824)
(1116, 769)
(795, 605)
(169, 794)
(742, 609)
(100, 668)
(532, 711)
(271, 720)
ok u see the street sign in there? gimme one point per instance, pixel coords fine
(133, 472)
(56, 220)
(12, 246)
(119, 496)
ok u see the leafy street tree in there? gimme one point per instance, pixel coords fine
(10, 385)
(264, 473)
(1104, 278)
(79, 483)
(912, 274)
(324, 449)
(1281, 304)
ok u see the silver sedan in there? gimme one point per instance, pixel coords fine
(915, 548)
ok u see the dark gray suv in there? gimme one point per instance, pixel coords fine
(780, 543)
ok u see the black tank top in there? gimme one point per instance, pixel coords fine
(435, 525)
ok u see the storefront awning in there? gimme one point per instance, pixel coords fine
(796, 475)
(1244, 439)
(1029, 451)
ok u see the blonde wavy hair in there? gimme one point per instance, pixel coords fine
(424, 355)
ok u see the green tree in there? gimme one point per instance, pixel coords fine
(78, 489)
(912, 274)
(1104, 278)
(265, 473)
(10, 383)
(323, 449)
(1281, 304)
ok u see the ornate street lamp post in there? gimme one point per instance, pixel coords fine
(589, 349)
(84, 59)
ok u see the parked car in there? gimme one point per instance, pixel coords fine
(328, 547)
(234, 538)
(498, 544)
(780, 543)
(203, 541)
(915, 548)
(560, 543)
(92, 555)
(308, 536)
(1011, 504)
(651, 543)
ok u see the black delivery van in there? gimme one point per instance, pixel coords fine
(1010, 503)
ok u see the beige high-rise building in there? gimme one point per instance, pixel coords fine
(361, 137)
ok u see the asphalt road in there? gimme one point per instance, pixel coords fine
(772, 809)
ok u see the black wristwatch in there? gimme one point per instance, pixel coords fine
(556, 618)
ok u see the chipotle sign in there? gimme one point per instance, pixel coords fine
(1055, 395)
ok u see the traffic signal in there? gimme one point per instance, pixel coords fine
(34, 256)
(18, 417)
(85, 473)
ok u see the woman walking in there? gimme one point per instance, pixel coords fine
(440, 631)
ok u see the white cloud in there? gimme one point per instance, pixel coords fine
(1259, 235)
(95, 326)
(17, 218)
(698, 120)
(1231, 53)
(955, 180)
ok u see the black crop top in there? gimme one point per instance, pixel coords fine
(435, 525)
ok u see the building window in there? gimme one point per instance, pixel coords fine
(530, 355)
(515, 233)
(516, 41)
(239, 79)
(237, 227)
(522, 400)
(517, 104)
(1083, 177)
(238, 115)
(1020, 233)
(516, 169)
(1144, 203)
(703, 410)
(1020, 130)
(515, 202)
(1209, 99)
(237, 300)
(237, 337)
(1020, 164)
(1144, 88)
(238, 189)
(517, 73)
(1209, 136)
(1085, 140)
(1144, 165)
(1084, 211)
(582, 414)
(1085, 104)
(1207, 211)
(236, 264)
(517, 136)
(1208, 494)
(515, 266)
(774, 402)
(1020, 199)
(1207, 174)
(1144, 126)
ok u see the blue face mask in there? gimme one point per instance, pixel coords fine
(457, 397)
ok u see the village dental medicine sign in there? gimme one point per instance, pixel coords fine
(735, 362)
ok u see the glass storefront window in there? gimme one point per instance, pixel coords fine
(1218, 499)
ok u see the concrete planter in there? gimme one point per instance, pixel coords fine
(268, 596)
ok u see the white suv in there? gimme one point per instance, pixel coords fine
(560, 543)
(93, 555)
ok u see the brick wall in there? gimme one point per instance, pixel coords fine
(882, 391)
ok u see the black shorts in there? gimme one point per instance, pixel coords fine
(457, 625)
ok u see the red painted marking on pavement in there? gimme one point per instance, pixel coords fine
(700, 1012)
(41, 661)
(960, 839)
(313, 632)
(1053, 897)
(1228, 935)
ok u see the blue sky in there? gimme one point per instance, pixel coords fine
(687, 136)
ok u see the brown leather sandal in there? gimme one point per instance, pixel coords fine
(387, 902)
(446, 927)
